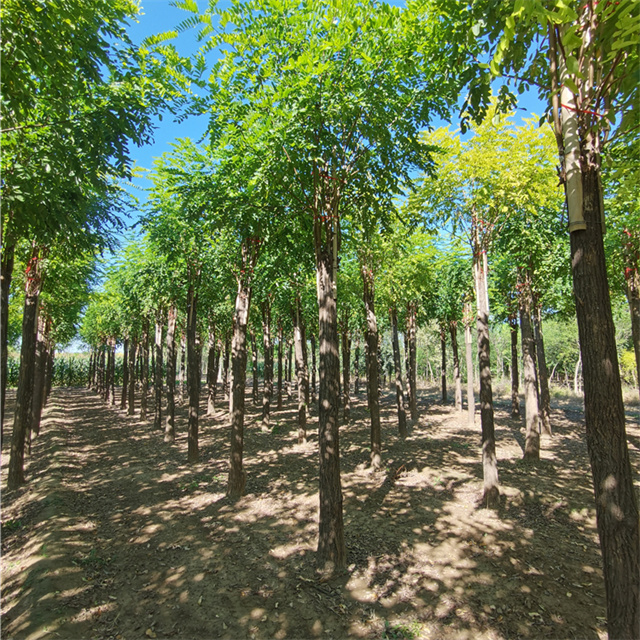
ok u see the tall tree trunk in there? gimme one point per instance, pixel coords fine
(279, 389)
(346, 366)
(299, 336)
(453, 330)
(24, 394)
(183, 368)
(265, 307)
(489, 460)
(125, 374)
(331, 555)
(6, 273)
(112, 374)
(193, 373)
(402, 413)
(373, 391)
(157, 412)
(225, 366)
(633, 297)
(169, 423)
(237, 474)
(254, 367)
(515, 374)
(49, 372)
(92, 354)
(39, 375)
(102, 370)
(144, 369)
(576, 375)
(616, 505)
(133, 347)
(412, 370)
(211, 370)
(313, 367)
(532, 441)
(356, 366)
(543, 373)
(443, 363)
(289, 371)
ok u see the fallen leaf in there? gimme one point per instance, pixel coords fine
(200, 600)
(150, 633)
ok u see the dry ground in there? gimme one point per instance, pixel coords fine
(115, 536)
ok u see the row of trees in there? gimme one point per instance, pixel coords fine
(316, 118)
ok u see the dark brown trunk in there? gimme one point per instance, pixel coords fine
(193, 373)
(90, 375)
(412, 371)
(489, 460)
(313, 367)
(544, 400)
(254, 367)
(515, 374)
(371, 355)
(112, 373)
(356, 366)
(346, 368)
(157, 411)
(144, 369)
(532, 438)
(216, 368)
(453, 331)
(102, 371)
(331, 556)
(468, 341)
(8, 250)
(211, 371)
(402, 413)
(169, 423)
(237, 474)
(289, 370)
(24, 395)
(299, 335)
(125, 374)
(39, 376)
(616, 503)
(49, 373)
(133, 347)
(443, 363)
(183, 368)
(225, 367)
(268, 363)
(279, 389)
(633, 297)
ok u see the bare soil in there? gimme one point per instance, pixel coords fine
(115, 536)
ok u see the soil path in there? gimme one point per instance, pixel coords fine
(116, 537)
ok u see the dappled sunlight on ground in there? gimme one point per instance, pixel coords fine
(116, 536)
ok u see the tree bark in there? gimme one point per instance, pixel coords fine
(443, 363)
(24, 394)
(254, 367)
(331, 555)
(412, 371)
(144, 369)
(133, 347)
(371, 355)
(6, 274)
(346, 368)
(112, 372)
(299, 336)
(402, 413)
(532, 438)
(169, 423)
(356, 366)
(157, 411)
(515, 374)
(225, 367)
(616, 504)
(211, 370)
(49, 372)
(453, 330)
(267, 392)
(313, 367)
(544, 400)
(280, 368)
(125, 374)
(489, 460)
(183, 368)
(289, 384)
(633, 297)
(237, 474)
(193, 373)
(40, 364)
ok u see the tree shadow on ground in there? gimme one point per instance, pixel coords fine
(116, 535)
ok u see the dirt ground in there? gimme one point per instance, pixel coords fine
(115, 536)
